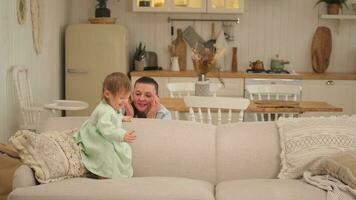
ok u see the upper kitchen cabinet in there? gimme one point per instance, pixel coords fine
(193, 6)
(150, 5)
(197, 6)
(189, 6)
(225, 6)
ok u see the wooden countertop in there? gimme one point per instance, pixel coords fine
(177, 104)
(298, 75)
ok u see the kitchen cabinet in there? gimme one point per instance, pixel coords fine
(192, 6)
(339, 93)
(225, 6)
(234, 87)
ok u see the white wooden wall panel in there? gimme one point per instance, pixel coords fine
(267, 28)
(17, 49)
(4, 33)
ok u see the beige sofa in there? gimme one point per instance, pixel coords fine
(176, 160)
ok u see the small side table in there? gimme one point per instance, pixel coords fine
(58, 105)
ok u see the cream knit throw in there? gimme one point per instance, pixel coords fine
(334, 188)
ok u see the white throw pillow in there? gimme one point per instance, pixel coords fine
(303, 140)
(52, 155)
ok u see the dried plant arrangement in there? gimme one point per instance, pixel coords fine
(205, 61)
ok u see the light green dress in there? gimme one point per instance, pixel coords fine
(102, 149)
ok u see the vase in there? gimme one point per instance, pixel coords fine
(140, 65)
(333, 9)
(202, 86)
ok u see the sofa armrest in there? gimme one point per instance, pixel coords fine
(23, 177)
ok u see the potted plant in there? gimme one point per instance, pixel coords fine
(139, 57)
(101, 9)
(333, 6)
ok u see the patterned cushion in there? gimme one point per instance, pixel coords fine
(52, 155)
(303, 140)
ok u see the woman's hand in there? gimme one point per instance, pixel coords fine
(154, 108)
(129, 137)
(129, 109)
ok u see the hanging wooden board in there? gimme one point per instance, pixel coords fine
(180, 50)
(21, 11)
(36, 24)
(321, 49)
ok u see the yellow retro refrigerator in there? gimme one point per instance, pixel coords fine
(92, 51)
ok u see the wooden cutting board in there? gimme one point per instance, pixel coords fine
(321, 49)
(180, 50)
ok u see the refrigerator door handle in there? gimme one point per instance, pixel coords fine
(77, 71)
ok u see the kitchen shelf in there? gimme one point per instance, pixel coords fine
(339, 17)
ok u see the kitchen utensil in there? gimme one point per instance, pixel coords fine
(180, 49)
(234, 59)
(221, 50)
(257, 65)
(151, 59)
(321, 49)
(174, 64)
(210, 44)
(228, 28)
(278, 64)
(193, 38)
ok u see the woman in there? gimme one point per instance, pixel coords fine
(145, 101)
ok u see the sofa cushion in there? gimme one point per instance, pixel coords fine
(53, 155)
(142, 188)
(276, 189)
(164, 147)
(173, 148)
(247, 150)
(305, 139)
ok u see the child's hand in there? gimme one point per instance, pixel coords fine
(129, 137)
(154, 108)
(127, 119)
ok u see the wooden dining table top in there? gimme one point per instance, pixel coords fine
(177, 104)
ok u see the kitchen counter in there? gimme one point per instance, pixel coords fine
(298, 75)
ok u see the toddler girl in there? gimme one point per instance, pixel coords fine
(103, 144)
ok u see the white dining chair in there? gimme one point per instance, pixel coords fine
(273, 92)
(181, 89)
(33, 115)
(215, 104)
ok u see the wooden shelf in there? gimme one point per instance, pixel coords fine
(339, 17)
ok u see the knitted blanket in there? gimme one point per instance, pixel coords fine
(335, 189)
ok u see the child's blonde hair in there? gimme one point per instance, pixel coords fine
(115, 83)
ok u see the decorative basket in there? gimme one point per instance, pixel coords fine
(102, 20)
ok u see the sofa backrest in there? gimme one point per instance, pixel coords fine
(247, 150)
(164, 147)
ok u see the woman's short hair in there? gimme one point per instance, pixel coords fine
(147, 80)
